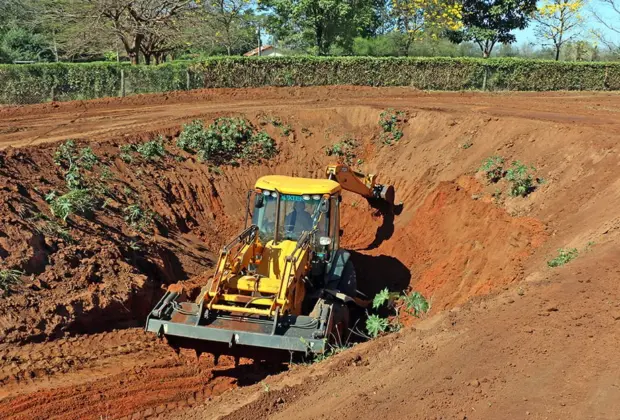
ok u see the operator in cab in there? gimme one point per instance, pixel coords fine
(299, 220)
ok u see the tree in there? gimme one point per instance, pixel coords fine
(319, 23)
(227, 23)
(487, 22)
(559, 21)
(141, 25)
(609, 17)
(417, 18)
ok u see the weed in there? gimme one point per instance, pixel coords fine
(344, 150)
(126, 151)
(106, 174)
(522, 181)
(87, 158)
(391, 122)
(54, 230)
(497, 194)
(286, 129)
(135, 246)
(415, 304)
(493, 167)
(9, 278)
(265, 386)
(128, 191)
(152, 150)
(78, 201)
(467, 145)
(564, 257)
(51, 196)
(106, 203)
(67, 156)
(137, 217)
(376, 325)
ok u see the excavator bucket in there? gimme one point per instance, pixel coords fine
(299, 333)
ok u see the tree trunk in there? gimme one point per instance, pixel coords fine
(147, 58)
(557, 53)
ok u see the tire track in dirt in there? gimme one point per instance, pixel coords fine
(116, 374)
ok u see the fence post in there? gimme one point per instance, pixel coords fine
(187, 79)
(484, 79)
(122, 83)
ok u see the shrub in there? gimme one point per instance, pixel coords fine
(564, 256)
(225, 141)
(152, 150)
(391, 122)
(344, 150)
(493, 167)
(520, 178)
(77, 201)
(8, 279)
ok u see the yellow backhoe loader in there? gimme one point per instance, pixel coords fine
(284, 282)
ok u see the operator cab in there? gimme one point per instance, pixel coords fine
(284, 208)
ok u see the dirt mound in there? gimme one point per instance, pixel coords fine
(456, 237)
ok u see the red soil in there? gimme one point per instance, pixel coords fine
(452, 241)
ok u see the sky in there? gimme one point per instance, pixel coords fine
(528, 35)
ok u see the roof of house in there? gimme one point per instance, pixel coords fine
(255, 50)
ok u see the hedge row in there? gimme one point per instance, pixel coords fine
(34, 83)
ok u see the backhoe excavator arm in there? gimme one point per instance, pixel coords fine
(359, 183)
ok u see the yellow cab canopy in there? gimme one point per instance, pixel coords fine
(297, 186)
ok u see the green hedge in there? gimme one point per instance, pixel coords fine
(34, 83)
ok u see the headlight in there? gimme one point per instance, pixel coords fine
(325, 240)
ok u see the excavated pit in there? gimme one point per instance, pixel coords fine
(451, 241)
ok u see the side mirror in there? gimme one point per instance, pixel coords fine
(324, 206)
(260, 201)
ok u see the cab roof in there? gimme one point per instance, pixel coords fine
(297, 186)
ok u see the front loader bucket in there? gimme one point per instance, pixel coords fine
(288, 332)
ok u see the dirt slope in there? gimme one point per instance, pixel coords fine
(455, 239)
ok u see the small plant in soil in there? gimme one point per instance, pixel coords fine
(54, 230)
(564, 256)
(344, 150)
(137, 217)
(8, 279)
(376, 325)
(126, 151)
(467, 145)
(521, 179)
(76, 201)
(413, 303)
(152, 150)
(493, 168)
(106, 174)
(66, 156)
(391, 121)
(286, 129)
